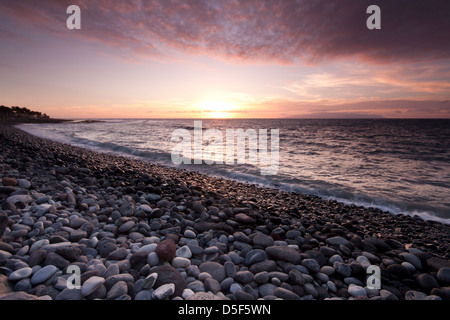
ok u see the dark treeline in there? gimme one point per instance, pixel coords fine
(18, 113)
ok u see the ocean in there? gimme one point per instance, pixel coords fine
(400, 166)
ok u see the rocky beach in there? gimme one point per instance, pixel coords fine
(141, 231)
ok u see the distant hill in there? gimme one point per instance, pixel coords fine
(18, 114)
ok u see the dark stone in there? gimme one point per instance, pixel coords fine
(244, 219)
(263, 240)
(242, 295)
(203, 226)
(444, 292)
(105, 246)
(118, 254)
(443, 275)
(138, 260)
(284, 253)
(296, 277)
(168, 274)
(166, 250)
(7, 181)
(379, 244)
(36, 257)
(285, 294)
(198, 207)
(399, 271)
(70, 253)
(426, 282)
(244, 277)
(56, 260)
(3, 223)
(7, 190)
(215, 269)
(436, 263)
(254, 256)
(267, 265)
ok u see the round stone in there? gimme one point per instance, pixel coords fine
(263, 240)
(127, 226)
(164, 291)
(184, 252)
(43, 274)
(215, 269)
(117, 290)
(179, 262)
(190, 234)
(311, 264)
(91, 284)
(443, 275)
(20, 274)
(357, 291)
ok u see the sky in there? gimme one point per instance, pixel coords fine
(226, 59)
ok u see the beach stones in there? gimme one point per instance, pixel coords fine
(143, 232)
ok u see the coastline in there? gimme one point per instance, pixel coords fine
(105, 209)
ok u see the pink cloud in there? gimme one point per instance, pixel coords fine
(256, 30)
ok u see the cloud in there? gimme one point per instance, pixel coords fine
(254, 30)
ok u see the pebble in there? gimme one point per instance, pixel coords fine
(285, 294)
(215, 269)
(443, 275)
(284, 253)
(426, 282)
(184, 252)
(117, 290)
(411, 258)
(91, 284)
(357, 291)
(190, 234)
(263, 240)
(311, 264)
(180, 262)
(166, 250)
(127, 226)
(337, 241)
(164, 291)
(43, 274)
(20, 274)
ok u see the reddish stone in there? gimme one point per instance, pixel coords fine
(166, 250)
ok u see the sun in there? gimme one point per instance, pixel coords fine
(217, 109)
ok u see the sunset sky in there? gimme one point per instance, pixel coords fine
(220, 58)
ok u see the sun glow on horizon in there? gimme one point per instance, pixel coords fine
(217, 109)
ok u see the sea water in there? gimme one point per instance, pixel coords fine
(400, 166)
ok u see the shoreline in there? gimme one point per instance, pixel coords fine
(218, 220)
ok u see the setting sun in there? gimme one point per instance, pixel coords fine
(217, 109)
